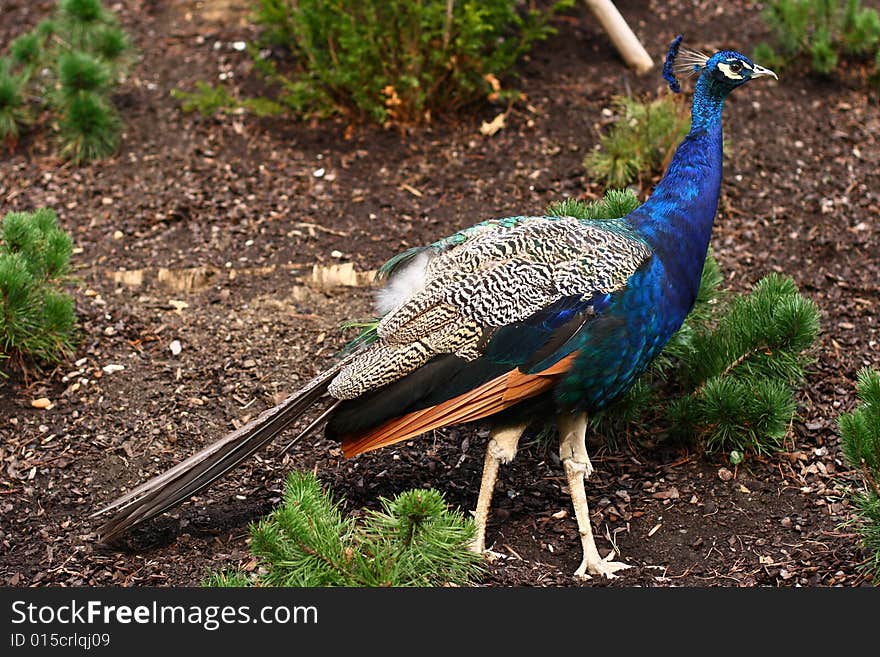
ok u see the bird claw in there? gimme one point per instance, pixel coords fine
(487, 554)
(491, 556)
(588, 469)
(604, 567)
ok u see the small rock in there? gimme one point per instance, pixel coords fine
(109, 369)
(250, 362)
(43, 403)
(785, 522)
(671, 494)
(724, 474)
(118, 235)
(175, 347)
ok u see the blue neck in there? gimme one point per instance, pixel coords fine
(677, 219)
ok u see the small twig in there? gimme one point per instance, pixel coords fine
(323, 229)
(332, 563)
(447, 27)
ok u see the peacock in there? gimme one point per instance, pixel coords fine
(509, 320)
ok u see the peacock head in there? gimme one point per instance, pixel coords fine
(724, 71)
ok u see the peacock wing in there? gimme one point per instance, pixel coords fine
(509, 296)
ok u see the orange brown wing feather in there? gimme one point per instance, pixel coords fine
(491, 397)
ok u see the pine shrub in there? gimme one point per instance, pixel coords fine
(26, 49)
(13, 111)
(641, 140)
(79, 72)
(725, 381)
(69, 64)
(413, 540)
(822, 31)
(860, 442)
(391, 61)
(36, 314)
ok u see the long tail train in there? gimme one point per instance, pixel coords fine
(199, 471)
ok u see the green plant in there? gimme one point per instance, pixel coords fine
(392, 61)
(640, 141)
(209, 99)
(79, 54)
(823, 30)
(26, 49)
(89, 128)
(414, 540)
(860, 443)
(206, 99)
(725, 379)
(36, 315)
(13, 111)
(79, 72)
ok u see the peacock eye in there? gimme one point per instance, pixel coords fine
(736, 67)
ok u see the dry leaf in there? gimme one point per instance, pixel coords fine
(493, 126)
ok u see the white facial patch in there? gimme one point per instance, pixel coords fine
(725, 68)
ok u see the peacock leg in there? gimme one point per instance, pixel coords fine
(502, 446)
(576, 462)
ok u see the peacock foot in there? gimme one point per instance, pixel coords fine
(479, 547)
(604, 567)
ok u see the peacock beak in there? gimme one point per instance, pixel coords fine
(761, 72)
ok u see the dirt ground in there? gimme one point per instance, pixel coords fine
(205, 231)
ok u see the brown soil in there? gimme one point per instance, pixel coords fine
(205, 231)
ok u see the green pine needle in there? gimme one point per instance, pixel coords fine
(13, 112)
(868, 527)
(89, 128)
(81, 73)
(26, 49)
(860, 430)
(110, 43)
(414, 540)
(46, 28)
(641, 140)
(79, 52)
(37, 319)
(232, 579)
(615, 204)
(82, 11)
(860, 443)
(727, 414)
